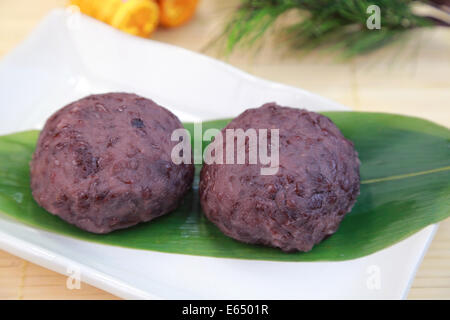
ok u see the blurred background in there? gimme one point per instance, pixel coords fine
(404, 70)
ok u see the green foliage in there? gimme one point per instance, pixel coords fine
(336, 24)
(405, 172)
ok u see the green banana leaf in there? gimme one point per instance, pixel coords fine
(405, 175)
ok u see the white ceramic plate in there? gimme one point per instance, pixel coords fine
(66, 58)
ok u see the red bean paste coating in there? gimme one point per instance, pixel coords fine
(316, 185)
(104, 163)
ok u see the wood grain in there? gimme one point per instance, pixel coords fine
(410, 78)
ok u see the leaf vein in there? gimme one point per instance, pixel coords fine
(404, 176)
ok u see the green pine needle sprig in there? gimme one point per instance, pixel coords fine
(333, 24)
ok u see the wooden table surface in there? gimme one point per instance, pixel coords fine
(411, 78)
